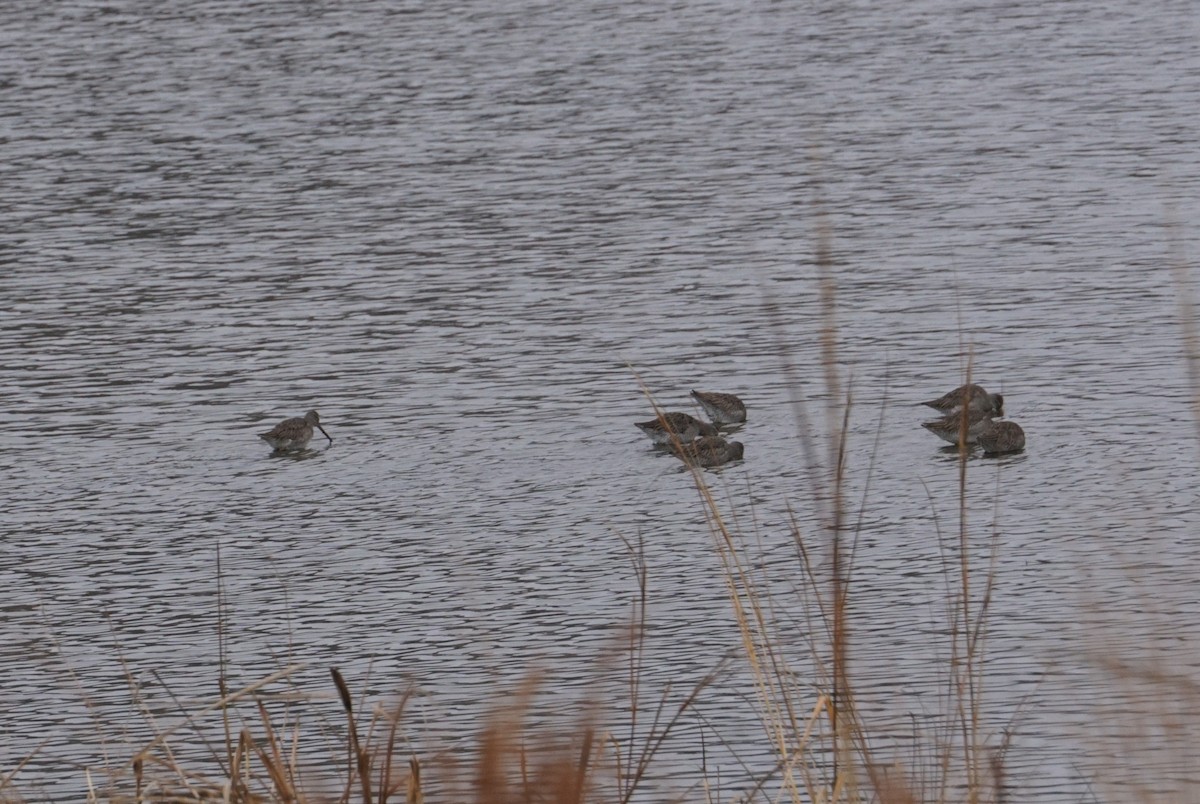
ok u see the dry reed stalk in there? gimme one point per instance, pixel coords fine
(414, 794)
(630, 768)
(1181, 276)
(790, 732)
(222, 652)
(766, 663)
(847, 736)
(507, 774)
(413, 782)
(965, 679)
(222, 702)
(360, 757)
(8, 778)
(281, 774)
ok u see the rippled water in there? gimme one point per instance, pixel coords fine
(462, 231)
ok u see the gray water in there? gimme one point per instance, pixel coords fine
(462, 233)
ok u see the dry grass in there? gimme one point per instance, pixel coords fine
(267, 743)
(821, 738)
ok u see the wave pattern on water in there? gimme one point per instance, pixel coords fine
(452, 231)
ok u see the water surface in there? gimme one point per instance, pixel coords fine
(463, 232)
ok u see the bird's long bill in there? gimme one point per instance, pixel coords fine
(322, 429)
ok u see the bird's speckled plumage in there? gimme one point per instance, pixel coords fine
(978, 400)
(721, 408)
(685, 427)
(294, 434)
(1001, 437)
(709, 451)
(949, 428)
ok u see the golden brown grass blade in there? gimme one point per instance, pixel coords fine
(7, 780)
(385, 772)
(276, 768)
(224, 701)
(414, 794)
(361, 760)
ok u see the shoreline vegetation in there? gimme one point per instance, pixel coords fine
(822, 741)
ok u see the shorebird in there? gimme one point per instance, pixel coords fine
(721, 408)
(294, 434)
(677, 425)
(977, 400)
(1001, 437)
(709, 451)
(950, 428)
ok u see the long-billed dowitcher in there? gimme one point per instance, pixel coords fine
(675, 425)
(1001, 437)
(294, 434)
(950, 428)
(721, 408)
(977, 400)
(709, 451)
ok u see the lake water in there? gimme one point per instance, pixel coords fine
(462, 232)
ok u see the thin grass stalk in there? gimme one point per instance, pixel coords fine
(276, 767)
(197, 731)
(385, 771)
(767, 667)
(8, 778)
(523, 760)
(659, 736)
(161, 738)
(283, 791)
(361, 763)
(734, 570)
(102, 728)
(738, 586)
(718, 526)
(1181, 276)
(637, 638)
(144, 709)
(414, 795)
(945, 746)
(773, 688)
(222, 651)
(840, 706)
(633, 772)
(294, 759)
(582, 770)
(970, 718)
(999, 768)
(236, 790)
(881, 782)
(843, 772)
(810, 456)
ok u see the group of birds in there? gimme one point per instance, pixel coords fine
(969, 416)
(695, 441)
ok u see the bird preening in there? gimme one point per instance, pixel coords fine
(695, 441)
(969, 416)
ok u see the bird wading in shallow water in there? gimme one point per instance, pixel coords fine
(721, 408)
(709, 451)
(1001, 437)
(681, 426)
(976, 398)
(950, 428)
(294, 434)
